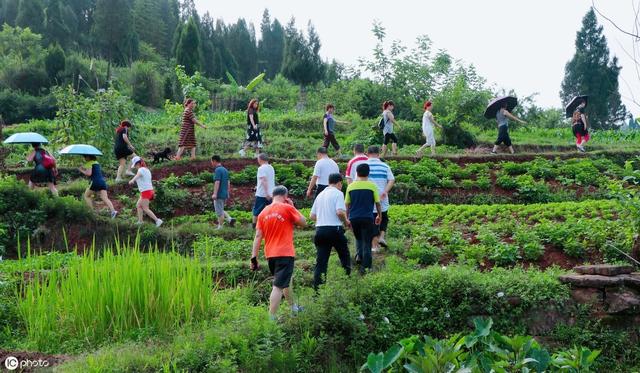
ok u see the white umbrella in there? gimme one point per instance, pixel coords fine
(26, 138)
(80, 149)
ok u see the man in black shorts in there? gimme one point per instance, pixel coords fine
(275, 226)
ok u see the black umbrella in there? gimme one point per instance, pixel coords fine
(573, 105)
(496, 104)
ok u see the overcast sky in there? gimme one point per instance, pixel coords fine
(520, 45)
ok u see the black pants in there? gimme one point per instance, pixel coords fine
(325, 239)
(503, 136)
(363, 230)
(319, 189)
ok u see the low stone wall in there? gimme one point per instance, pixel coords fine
(611, 291)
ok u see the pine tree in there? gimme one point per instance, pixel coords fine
(170, 10)
(113, 31)
(55, 61)
(55, 24)
(188, 52)
(271, 46)
(240, 40)
(31, 15)
(149, 24)
(302, 63)
(10, 12)
(591, 72)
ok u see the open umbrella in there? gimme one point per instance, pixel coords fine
(26, 138)
(496, 104)
(573, 105)
(80, 149)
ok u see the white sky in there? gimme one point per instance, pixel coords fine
(537, 36)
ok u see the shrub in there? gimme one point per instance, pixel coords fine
(146, 84)
(18, 107)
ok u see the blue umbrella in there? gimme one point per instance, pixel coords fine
(26, 138)
(80, 149)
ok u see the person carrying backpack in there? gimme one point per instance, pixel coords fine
(45, 170)
(386, 125)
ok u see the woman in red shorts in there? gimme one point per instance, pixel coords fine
(145, 186)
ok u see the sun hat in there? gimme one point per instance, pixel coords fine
(135, 161)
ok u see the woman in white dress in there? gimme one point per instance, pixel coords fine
(428, 122)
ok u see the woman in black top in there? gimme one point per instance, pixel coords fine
(98, 185)
(253, 138)
(580, 127)
(44, 171)
(123, 149)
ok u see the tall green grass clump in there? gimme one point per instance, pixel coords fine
(114, 296)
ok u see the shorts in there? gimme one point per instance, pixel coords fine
(259, 205)
(503, 136)
(148, 195)
(281, 268)
(331, 139)
(98, 187)
(384, 224)
(218, 206)
(122, 152)
(390, 138)
(578, 130)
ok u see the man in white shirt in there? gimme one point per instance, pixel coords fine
(330, 214)
(324, 167)
(266, 181)
(382, 176)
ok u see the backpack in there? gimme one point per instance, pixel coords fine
(48, 161)
(381, 124)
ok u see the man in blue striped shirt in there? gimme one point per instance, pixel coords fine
(381, 175)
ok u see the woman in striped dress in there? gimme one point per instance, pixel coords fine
(188, 131)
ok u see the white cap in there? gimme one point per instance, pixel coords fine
(135, 160)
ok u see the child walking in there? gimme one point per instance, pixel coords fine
(145, 186)
(98, 185)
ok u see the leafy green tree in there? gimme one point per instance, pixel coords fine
(31, 15)
(270, 46)
(302, 63)
(240, 40)
(113, 31)
(146, 84)
(188, 51)
(170, 13)
(592, 72)
(149, 23)
(54, 62)
(56, 29)
(10, 12)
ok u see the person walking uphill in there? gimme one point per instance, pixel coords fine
(362, 196)
(330, 214)
(427, 129)
(221, 191)
(275, 227)
(253, 138)
(98, 184)
(188, 131)
(358, 157)
(44, 171)
(145, 186)
(580, 126)
(266, 181)
(388, 131)
(503, 117)
(122, 148)
(329, 129)
(324, 167)
(381, 175)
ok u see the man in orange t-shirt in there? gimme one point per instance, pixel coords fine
(275, 226)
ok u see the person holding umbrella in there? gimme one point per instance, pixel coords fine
(44, 171)
(188, 131)
(579, 125)
(500, 109)
(122, 148)
(98, 184)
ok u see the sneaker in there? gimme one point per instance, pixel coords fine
(114, 214)
(159, 222)
(232, 222)
(494, 153)
(139, 223)
(581, 149)
(383, 243)
(357, 259)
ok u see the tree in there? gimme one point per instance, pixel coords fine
(149, 24)
(56, 29)
(301, 62)
(271, 46)
(188, 51)
(54, 62)
(240, 40)
(113, 31)
(10, 12)
(592, 72)
(31, 15)
(170, 12)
